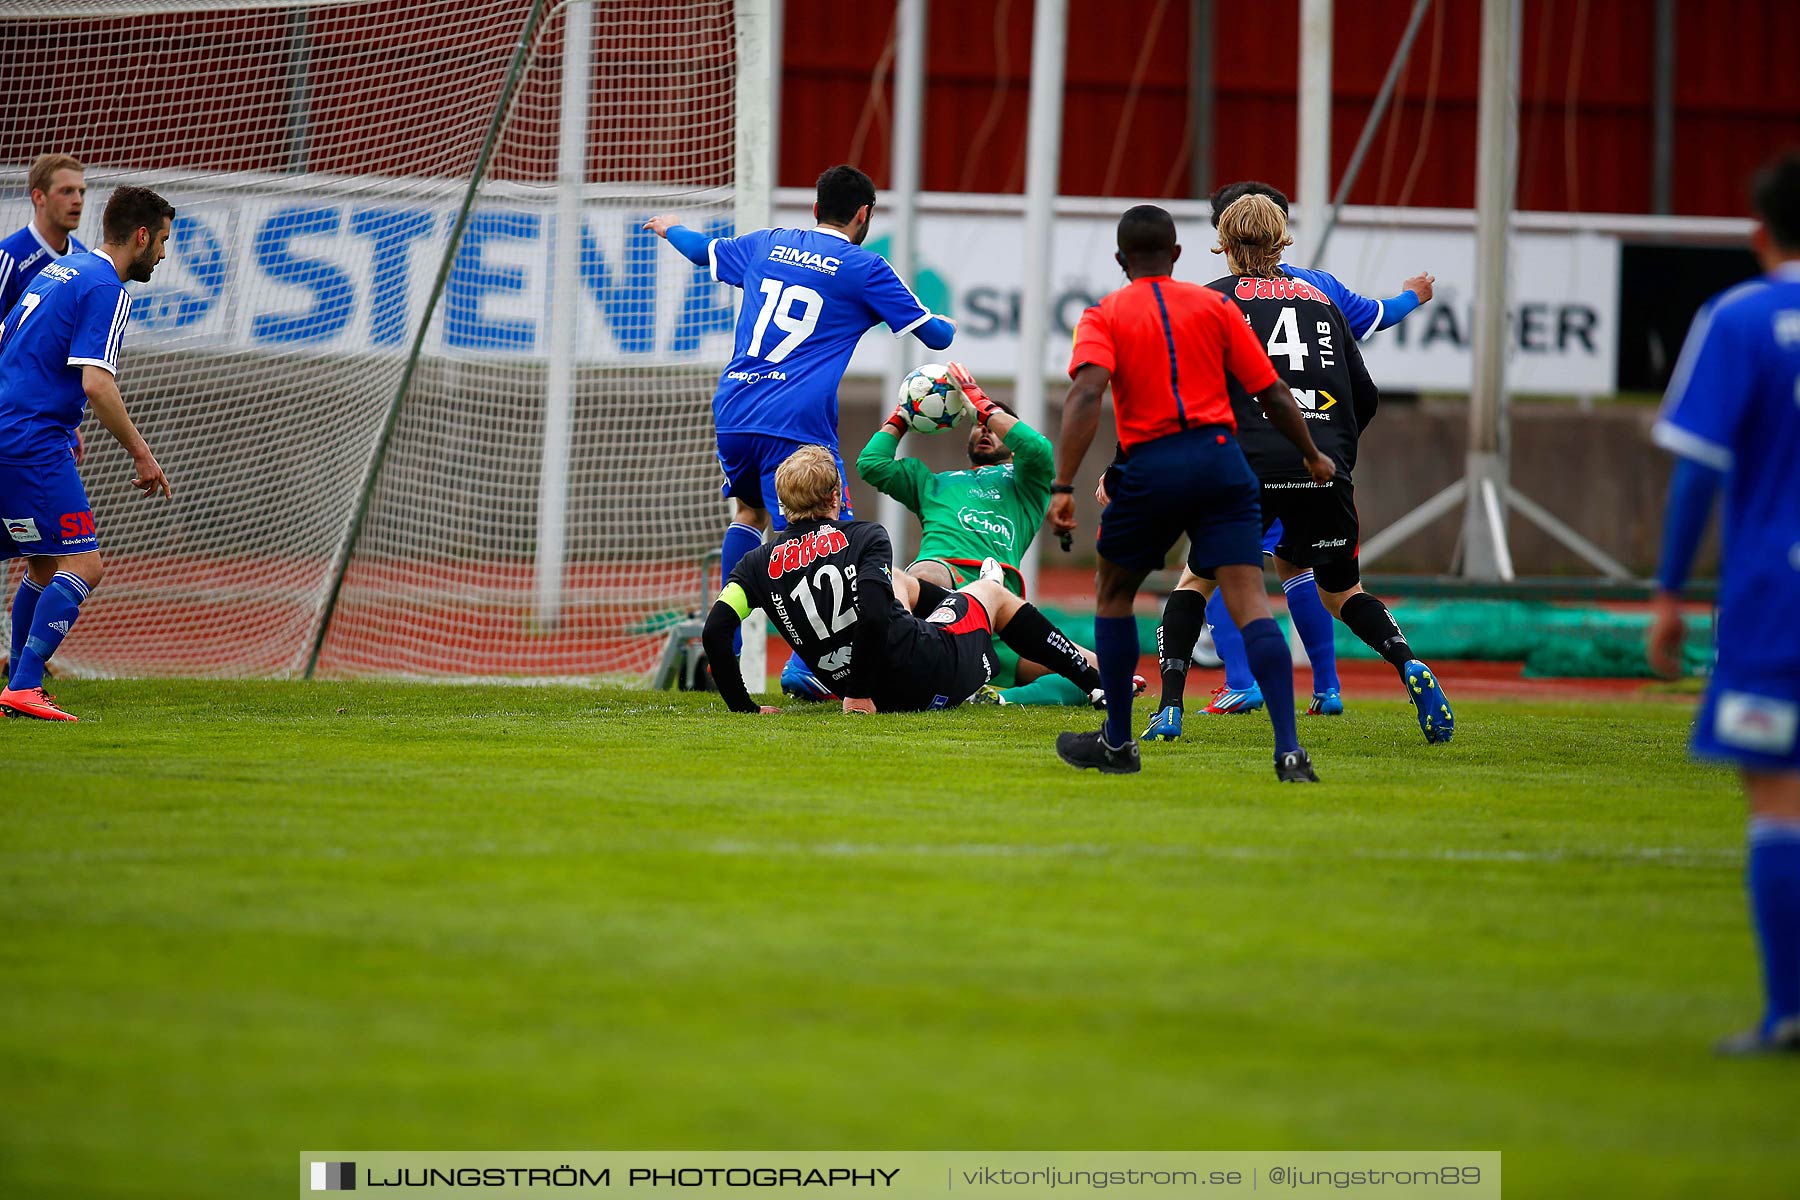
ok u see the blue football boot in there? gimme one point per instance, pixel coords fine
(1328, 703)
(1165, 725)
(1234, 700)
(1434, 714)
(798, 681)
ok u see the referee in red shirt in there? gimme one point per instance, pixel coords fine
(1166, 348)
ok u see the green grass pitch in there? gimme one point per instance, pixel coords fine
(242, 920)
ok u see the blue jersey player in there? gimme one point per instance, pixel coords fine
(1732, 415)
(810, 295)
(58, 190)
(59, 351)
(1189, 610)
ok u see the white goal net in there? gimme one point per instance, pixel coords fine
(522, 485)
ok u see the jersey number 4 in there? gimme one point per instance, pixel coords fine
(1286, 340)
(778, 308)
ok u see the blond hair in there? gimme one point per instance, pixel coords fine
(807, 482)
(1252, 235)
(44, 168)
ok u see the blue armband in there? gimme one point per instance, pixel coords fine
(1691, 491)
(692, 245)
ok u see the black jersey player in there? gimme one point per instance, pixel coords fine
(831, 591)
(1311, 345)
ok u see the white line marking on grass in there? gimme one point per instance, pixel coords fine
(1678, 856)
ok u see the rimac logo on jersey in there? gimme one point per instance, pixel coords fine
(805, 258)
(799, 552)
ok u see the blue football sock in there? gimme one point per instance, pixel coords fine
(1318, 631)
(1269, 658)
(1116, 646)
(56, 611)
(24, 605)
(1229, 642)
(740, 539)
(1772, 874)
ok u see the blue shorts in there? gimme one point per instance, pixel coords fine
(749, 461)
(1196, 482)
(1751, 719)
(1272, 536)
(44, 509)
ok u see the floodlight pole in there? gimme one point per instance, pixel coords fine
(1484, 491)
(1485, 551)
(1043, 167)
(1313, 184)
(902, 204)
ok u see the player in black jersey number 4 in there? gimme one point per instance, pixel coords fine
(1311, 346)
(831, 591)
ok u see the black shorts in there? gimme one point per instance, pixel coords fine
(1196, 483)
(939, 660)
(1318, 524)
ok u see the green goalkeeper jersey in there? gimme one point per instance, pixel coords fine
(977, 513)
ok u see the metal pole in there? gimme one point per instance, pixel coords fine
(753, 198)
(1313, 190)
(1200, 97)
(299, 90)
(565, 288)
(1367, 137)
(1043, 166)
(514, 72)
(1662, 171)
(1497, 118)
(902, 205)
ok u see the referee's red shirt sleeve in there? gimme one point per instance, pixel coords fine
(1245, 357)
(1093, 343)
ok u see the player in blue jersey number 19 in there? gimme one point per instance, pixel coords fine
(810, 295)
(59, 351)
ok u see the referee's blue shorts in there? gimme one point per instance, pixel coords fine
(1197, 483)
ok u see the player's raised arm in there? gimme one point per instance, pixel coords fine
(1364, 314)
(882, 468)
(904, 313)
(724, 257)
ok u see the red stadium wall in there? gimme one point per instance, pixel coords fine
(1585, 128)
(1585, 136)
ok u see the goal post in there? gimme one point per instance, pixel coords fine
(367, 398)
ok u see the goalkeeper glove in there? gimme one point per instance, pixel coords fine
(978, 399)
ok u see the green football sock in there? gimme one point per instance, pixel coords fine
(1046, 691)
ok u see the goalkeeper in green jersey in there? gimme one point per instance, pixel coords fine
(992, 510)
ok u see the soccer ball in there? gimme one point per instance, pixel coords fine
(931, 399)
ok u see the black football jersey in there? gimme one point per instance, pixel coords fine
(806, 582)
(1310, 344)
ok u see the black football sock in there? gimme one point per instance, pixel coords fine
(1184, 616)
(930, 596)
(1370, 620)
(1035, 638)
